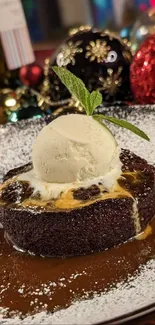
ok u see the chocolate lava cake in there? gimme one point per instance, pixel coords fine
(82, 220)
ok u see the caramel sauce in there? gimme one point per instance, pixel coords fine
(66, 200)
(30, 282)
(147, 232)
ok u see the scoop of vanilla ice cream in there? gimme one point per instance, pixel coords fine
(74, 148)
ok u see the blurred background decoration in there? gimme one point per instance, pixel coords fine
(34, 91)
(143, 27)
(100, 59)
(142, 72)
(49, 21)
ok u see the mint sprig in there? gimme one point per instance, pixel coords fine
(77, 88)
(90, 101)
(123, 124)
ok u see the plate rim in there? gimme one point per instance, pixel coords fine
(133, 315)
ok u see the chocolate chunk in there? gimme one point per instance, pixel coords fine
(81, 194)
(94, 190)
(16, 192)
(84, 194)
(139, 186)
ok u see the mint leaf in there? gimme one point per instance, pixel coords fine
(90, 101)
(95, 100)
(75, 86)
(123, 124)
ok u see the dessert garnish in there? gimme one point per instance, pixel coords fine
(90, 101)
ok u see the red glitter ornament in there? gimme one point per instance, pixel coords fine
(142, 72)
(31, 75)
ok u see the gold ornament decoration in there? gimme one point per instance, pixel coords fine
(68, 52)
(45, 103)
(115, 35)
(113, 81)
(46, 83)
(9, 102)
(126, 42)
(83, 28)
(18, 104)
(9, 99)
(97, 50)
(127, 55)
(72, 107)
(44, 100)
(3, 115)
(44, 96)
(111, 35)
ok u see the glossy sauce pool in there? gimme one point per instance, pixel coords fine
(29, 284)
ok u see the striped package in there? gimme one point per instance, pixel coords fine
(14, 34)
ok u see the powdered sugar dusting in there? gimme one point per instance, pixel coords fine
(126, 297)
(144, 118)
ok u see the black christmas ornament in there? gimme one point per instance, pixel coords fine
(99, 58)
